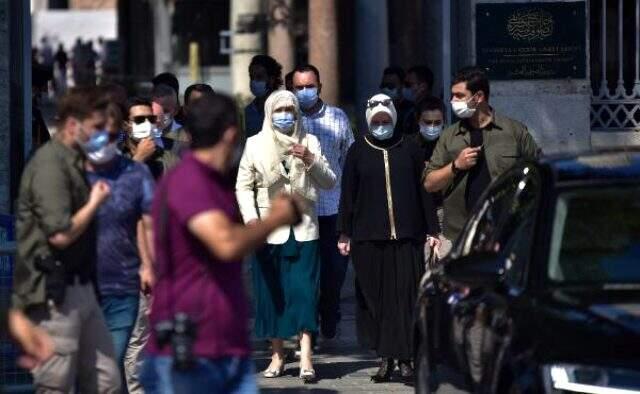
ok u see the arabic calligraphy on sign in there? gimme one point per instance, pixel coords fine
(530, 25)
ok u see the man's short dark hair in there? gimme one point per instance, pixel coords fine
(167, 78)
(394, 70)
(80, 103)
(304, 68)
(429, 103)
(273, 68)
(423, 73)
(136, 102)
(162, 90)
(475, 78)
(208, 118)
(197, 87)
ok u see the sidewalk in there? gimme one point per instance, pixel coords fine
(341, 365)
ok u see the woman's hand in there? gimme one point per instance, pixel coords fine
(344, 245)
(302, 153)
(435, 244)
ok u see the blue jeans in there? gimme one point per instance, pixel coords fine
(120, 314)
(219, 376)
(333, 269)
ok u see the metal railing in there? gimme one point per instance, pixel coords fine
(617, 108)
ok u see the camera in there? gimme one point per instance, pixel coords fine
(55, 278)
(180, 332)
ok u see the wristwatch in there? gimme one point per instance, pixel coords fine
(454, 169)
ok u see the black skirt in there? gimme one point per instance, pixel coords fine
(387, 278)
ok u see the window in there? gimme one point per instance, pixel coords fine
(504, 221)
(596, 237)
(200, 21)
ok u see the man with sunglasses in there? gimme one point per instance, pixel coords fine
(141, 145)
(121, 249)
(56, 253)
(332, 128)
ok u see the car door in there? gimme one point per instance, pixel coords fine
(503, 223)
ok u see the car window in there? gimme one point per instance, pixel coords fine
(596, 236)
(504, 221)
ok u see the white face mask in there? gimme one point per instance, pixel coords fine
(430, 132)
(461, 109)
(142, 130)
(103, 155)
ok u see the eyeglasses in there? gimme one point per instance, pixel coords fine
(141, 118)
(375, 103)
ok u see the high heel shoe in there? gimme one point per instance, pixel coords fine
(273, 373)
(308, 375)
(384, 371)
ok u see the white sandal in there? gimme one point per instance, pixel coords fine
(273, 373)
(308, 375)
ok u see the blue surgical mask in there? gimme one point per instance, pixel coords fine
(394, 94)
(382, 132)
(98, 140)
(283, 121)
(429, 132)
(258, 88)
(408, 94)
(308, 97)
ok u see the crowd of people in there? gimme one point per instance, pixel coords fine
(84, 64)
(134, 220)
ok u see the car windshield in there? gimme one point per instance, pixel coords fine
(596, 237)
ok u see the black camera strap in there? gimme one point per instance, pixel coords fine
(165, 240)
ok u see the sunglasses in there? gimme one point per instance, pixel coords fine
(375, 103)
(141, 119)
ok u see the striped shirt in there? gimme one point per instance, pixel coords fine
(332, 128)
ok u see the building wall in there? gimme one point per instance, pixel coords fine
(93, 4)
(556, 111)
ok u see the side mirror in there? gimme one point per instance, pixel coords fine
(476, 270)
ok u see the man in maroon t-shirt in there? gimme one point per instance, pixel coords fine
(199, 246)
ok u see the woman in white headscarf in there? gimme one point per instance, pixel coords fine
(382, 225)
(282, 157)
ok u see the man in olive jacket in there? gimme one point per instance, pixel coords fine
(473, 151)
(55, 263)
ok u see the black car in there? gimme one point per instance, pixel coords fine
(541, 292)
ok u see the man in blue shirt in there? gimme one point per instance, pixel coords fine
(332, 128)
(123, 226)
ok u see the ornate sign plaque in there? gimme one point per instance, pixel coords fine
(531, 40)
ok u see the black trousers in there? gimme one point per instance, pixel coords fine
(333, 268)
